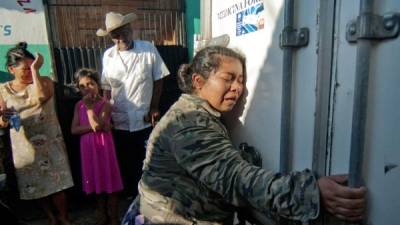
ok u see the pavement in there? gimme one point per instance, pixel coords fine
(81, 210)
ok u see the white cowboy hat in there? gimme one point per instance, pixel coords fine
(114, 21)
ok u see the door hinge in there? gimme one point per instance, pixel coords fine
(373, 27)
(294, 38)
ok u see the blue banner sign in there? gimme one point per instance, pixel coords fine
(250, 20)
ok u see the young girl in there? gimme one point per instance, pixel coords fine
(100, 170)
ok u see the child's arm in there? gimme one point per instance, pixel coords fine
(105, 115)
(75, 127)
(95, 123)
(44, 88)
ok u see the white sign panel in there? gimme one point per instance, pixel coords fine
(22, 20)
(251, 26)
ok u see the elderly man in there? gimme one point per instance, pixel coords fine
(132, 81)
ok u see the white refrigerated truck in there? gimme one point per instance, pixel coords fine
(323, 89)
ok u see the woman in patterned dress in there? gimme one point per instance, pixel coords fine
(39, 153)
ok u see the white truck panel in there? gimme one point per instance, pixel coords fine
(259, 117)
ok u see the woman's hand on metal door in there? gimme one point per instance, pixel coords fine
(340, 200)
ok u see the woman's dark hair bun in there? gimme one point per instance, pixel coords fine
(184, 69)
(22, 45)
(184, 78)
(18, 53)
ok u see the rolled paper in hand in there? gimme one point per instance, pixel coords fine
(15, 121)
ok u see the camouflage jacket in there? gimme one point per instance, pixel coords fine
(191, 160)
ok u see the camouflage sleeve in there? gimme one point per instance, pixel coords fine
(208, 156)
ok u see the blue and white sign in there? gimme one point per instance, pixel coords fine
(22, 20)
(250, 20)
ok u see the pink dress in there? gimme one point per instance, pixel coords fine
(100, 170)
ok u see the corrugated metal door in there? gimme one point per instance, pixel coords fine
(322, 96)
(381, 169)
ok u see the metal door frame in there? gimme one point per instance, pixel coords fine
(324, 93)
